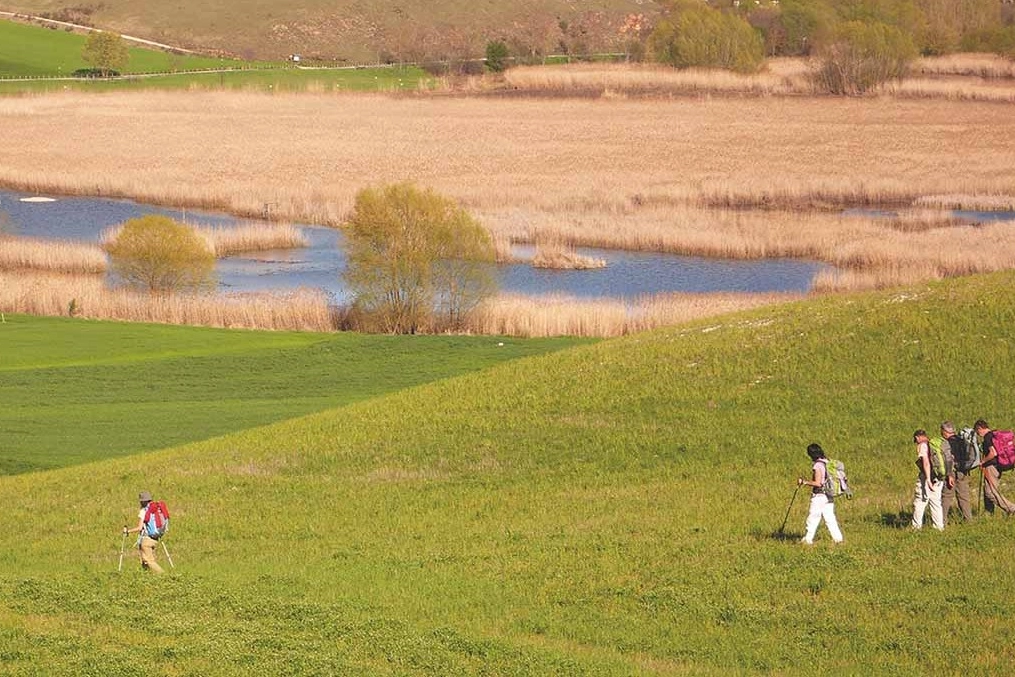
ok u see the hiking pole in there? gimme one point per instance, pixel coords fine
(123, 544)
(980, 501)
(786, 518)
(167, 554)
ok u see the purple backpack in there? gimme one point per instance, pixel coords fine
(1004, 445)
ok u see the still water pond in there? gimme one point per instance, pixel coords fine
(627, 275)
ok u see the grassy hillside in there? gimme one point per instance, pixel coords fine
(32, 50)
(28, 51)
(335, 28)
(77, 391)
(607, 510)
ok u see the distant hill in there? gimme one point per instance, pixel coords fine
(353, 30)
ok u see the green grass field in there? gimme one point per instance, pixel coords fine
(78, 391)
(28, 50)
(32, 51)
(606, 510)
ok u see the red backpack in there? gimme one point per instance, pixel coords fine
(1004, 445)
(156, 519)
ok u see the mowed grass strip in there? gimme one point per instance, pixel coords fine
(32, 51)
(75, 391)
(605, 510)
(27, 50)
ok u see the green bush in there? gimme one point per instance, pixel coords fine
(161, 256)
(999, 41)
(106, 52)
(416, 260)
(691, 36)
(496, 56)
(806, 26)
(862, 57)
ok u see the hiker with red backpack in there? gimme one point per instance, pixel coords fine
(998, 456)
(152, 523)
(928, 485)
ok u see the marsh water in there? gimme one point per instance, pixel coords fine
(627, 274)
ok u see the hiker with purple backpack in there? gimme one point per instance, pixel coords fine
(998, 456)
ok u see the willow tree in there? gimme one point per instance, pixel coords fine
(417, 261)
(106, 52)
(162, 256)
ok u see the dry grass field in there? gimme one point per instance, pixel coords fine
(736, 177)
(87, 296)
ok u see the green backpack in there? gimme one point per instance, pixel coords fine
(836, 481)
(938, 469)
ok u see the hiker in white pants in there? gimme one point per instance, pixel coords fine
(928, 490)
(822, 505)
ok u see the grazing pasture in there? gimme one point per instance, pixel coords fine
(75, 391)
(608, 510)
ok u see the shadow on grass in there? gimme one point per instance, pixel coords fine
(785, 536)
(896, 520)
(777, 535)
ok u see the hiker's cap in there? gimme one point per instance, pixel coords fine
(145, 497)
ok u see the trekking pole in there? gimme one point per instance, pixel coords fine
(164, 548)
(123, 544)
(786, 518)
(980, 501)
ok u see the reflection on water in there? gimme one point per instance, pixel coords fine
(628, 274)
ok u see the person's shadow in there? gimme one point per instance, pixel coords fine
(897, 520)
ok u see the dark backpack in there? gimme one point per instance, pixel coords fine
(1004, 445)
(156, 520)
(966, 449)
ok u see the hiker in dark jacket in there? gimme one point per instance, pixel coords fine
(956, 489)
(147, 546)
(991, 475)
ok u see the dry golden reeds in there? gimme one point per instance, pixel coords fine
(606, 79)
(248, 237)
(55, 256)
(527, 316)
(968, 64)
(497, 155)
(86, 296)
(555, 253)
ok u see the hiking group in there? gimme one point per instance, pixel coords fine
(944, 463)
(152, 524)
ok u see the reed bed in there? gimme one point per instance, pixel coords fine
(968, 64)
(960, 78)
(252, 237)
(87, 297)
(526, 316)
(984, 203)
(925, 88)
(54, 256)
(499, 154)
(556, 254)
(640, 79)
(249, 237)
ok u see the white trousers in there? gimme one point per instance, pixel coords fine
(821, 507)
(921, 499)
